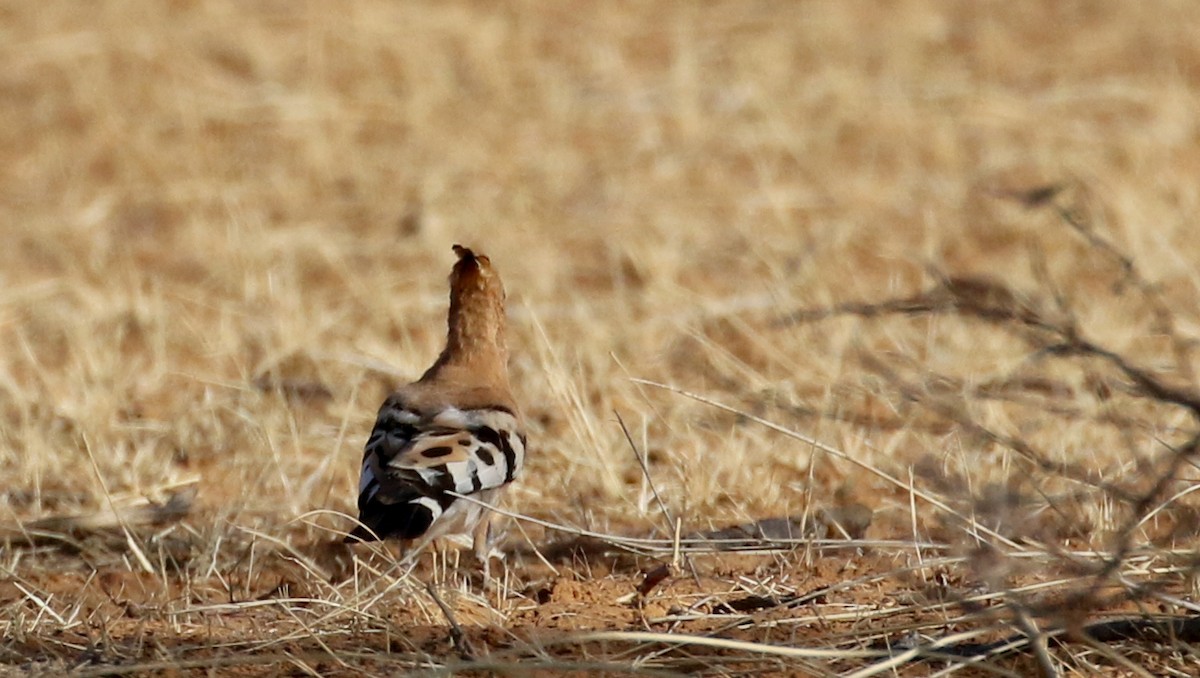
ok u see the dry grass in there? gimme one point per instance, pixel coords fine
(878, 244)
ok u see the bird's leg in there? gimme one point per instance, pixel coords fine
(409, 551)
(437, 551)
(482, 545)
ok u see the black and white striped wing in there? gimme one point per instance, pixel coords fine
(412, 463)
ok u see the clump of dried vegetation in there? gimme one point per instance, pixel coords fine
(854, 340)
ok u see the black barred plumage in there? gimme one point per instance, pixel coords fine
(413, 460)
(455, 431)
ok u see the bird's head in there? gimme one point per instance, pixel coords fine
(474, 273)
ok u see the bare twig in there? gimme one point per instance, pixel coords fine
(457, 637)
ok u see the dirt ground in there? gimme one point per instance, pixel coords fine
(852, 338)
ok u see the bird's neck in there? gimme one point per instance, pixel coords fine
(476, 338)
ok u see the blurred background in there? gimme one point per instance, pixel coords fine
(226, 226)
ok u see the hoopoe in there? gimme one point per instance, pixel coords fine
(456, 429)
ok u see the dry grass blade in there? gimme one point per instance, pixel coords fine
(645, 470)
(681, 640)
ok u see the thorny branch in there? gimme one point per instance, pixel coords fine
(1049, 329)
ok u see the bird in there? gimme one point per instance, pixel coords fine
(455, 431)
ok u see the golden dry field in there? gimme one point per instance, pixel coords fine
(853, 338)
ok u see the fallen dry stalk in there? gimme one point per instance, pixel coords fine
(125, 512)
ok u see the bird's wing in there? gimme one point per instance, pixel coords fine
(412, 462)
